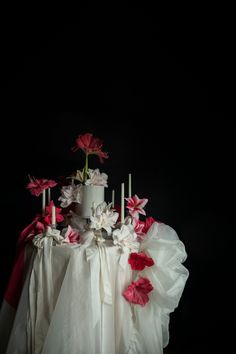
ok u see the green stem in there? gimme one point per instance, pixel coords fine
(86, 168)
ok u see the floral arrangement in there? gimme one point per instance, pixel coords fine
(90, 146)
(104, 221)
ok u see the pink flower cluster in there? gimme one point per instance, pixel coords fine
(137, 291)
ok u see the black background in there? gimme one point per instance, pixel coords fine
(154, 86)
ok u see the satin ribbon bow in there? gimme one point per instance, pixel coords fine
(96, 254)
(50, 235)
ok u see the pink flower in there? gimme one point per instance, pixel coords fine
(141, 227)
(90, 146)
(139, 261)
(37, 186)
(137, 292)
(71, 236)
(48, 217)
(136, 205)
(138, 227)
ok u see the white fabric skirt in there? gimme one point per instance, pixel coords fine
(72, 299)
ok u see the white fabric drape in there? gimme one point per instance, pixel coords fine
(72, 298)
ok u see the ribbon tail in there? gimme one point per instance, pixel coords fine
(124, 258)
(105, 276)
(95, 284)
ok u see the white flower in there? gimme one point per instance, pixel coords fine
(125, 237)
(70, 194)
(96, 178)
(103, 218)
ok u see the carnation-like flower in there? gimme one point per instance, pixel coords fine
(138, 261)
(137, 291)
(70, 194)
(37, 186)
(103, 217)
(136, 205)
(96, 178)
(90, 146)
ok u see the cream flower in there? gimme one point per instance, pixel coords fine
(103, 217)
(96, 178)
(70, 194)
(125, 237)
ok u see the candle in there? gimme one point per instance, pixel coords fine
(122, 203)
(113, 199)
(49, 195)
(43, 202)
(130, 193)
(53, 215)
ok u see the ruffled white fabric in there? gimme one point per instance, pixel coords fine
(72, 299)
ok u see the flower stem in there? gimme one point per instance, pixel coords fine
(86, 168)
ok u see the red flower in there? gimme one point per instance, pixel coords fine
(37, 186)
(137, 292)
(141, 227)
(90, 145)
(48, 217)
(147, 224)
(139, 261)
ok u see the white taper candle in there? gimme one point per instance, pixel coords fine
(49, 195)
(53, 216)
(130, 186)
(43, 201)
(113, 198)
(122, 216)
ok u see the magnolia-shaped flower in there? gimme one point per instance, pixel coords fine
(37, 186)
(96, 178)
(136, 205)
(137, 291)
(125, 237)
(103, 217)
(70, 194)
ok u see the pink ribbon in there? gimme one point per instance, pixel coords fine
(15, 284)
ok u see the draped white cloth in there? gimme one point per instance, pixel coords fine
(72, 297)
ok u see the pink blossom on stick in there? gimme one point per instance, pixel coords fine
(136, 205)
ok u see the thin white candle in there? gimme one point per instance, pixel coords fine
(49, 195)
(130, 186)
(43, 201)
(113, 199)
(53, 216)
(122, 216)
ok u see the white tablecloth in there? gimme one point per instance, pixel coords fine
(72, 298)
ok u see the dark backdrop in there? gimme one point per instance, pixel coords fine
(153, 86)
